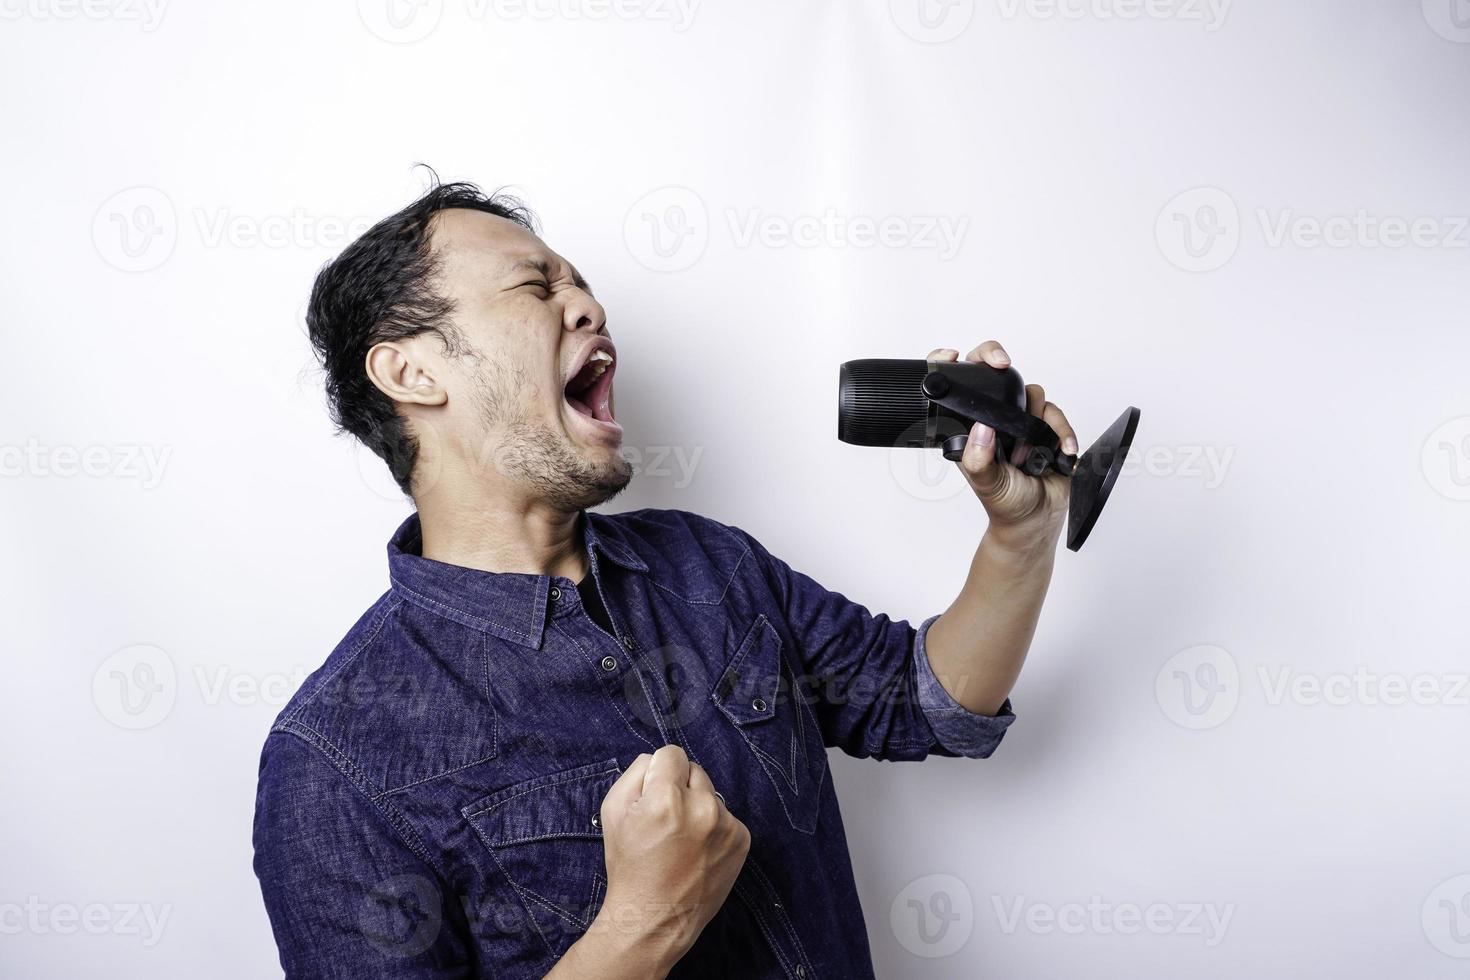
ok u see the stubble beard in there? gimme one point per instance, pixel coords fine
(542, 458)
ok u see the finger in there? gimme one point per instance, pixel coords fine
(629, 785)
(1035, 402)
(699, 780)
(943, 354)
(981, 467)
(992, 353)
(1035, 399)
(1053, 416)
(668, 769)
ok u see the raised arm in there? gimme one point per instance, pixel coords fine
(977, 646)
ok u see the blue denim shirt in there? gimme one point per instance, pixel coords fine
(428, 801)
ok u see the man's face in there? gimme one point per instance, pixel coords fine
(532, 395)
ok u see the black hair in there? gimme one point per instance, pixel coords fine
(381, 289)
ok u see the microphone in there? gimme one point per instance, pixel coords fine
(898, 403)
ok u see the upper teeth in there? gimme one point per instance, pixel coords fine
(599, 361)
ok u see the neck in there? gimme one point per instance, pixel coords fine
(529, 536)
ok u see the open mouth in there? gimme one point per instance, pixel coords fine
(590, 389)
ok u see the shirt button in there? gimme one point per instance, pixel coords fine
(609, 663)
(628, 642)
(758, 704)
(800, 970)
(597, 820)
(555, 593)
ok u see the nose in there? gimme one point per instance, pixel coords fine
(582, 312)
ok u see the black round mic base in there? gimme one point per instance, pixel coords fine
(1094, 476)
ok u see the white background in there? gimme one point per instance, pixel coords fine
(1325, 382)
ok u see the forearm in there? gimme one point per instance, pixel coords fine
(978, 645)
(610, 950)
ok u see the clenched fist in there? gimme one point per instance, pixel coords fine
(673, 852)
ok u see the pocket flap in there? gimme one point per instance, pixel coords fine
(564, 804)
(749, 689)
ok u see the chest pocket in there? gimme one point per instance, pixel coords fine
(546, 836)
(758, 693)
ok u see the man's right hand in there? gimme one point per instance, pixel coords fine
(673, 852)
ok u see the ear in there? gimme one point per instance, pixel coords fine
(397, 370)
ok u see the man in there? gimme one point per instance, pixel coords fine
(577, 745)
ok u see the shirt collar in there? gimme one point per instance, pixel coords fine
(512, 605)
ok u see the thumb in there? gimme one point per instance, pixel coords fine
(979, 464)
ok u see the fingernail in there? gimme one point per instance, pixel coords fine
(983, 434)
(1069, 445)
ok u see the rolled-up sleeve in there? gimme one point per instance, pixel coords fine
(956, 728)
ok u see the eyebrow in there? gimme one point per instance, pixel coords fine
(542, 266)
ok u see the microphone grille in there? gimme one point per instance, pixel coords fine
(880, 401)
